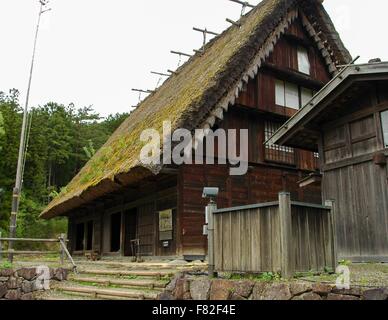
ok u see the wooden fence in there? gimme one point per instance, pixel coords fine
(63, 251)
(282, 236)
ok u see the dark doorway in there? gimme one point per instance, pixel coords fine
(79, 237)
(130, 231)
(89, 235)
(115, 235)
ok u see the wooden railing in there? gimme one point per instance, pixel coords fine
(63, 251)
(282, 236)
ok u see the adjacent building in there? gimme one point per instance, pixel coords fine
(347, 123)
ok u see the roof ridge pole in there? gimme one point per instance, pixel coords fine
(19, 171)
(205, 32)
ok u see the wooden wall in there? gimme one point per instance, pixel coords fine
(360, 192)
(249, 239)
(312, 239)
(261, 184)
(351, 177)
(145, 201)
(282, 64)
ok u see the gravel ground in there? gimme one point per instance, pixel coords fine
(362, 275)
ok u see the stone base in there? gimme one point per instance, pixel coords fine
(20, 284)
(186, 287)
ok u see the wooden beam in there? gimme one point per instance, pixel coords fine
(293, 76)
(29, 240)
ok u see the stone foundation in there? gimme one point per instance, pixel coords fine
(185, 287)
(21, 284)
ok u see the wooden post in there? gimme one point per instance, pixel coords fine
(212, 206)
(286, 235)
(331, 204)
(62, 251)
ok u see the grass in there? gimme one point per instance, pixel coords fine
(6, 265)
(130, 277)
(266, 276)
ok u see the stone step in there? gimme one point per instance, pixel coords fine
(123, 273)
(141, 266)
(149, 284)
(54, 295)
(96, 292)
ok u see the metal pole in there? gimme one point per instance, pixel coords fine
(19, 172)
(212, 206)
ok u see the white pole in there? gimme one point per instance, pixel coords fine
(19, 172)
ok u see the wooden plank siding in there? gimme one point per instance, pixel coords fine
(247, 240)
(357, 184)
(361, 199)
(259, 93)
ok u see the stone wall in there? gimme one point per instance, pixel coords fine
(185, 287)
(21, 284)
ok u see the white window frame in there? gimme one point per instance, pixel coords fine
(292, 96)
(280, 97)
(304, 65)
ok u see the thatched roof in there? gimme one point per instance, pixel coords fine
(201, 91)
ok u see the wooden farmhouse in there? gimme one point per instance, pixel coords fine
(255, 76)
(348, 123)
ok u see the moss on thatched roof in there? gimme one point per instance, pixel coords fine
(186, 99)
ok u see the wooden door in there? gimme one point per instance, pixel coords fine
(146, 229)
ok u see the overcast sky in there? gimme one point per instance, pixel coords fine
(92, 52)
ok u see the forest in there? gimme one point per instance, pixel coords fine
(61, 139)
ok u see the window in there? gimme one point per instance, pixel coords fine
(384, 124)
(275, 152)
(303, 60)
(290, 95)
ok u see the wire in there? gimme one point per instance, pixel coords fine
(180, 61)
(158, 83)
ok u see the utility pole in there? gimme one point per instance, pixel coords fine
(19, 172)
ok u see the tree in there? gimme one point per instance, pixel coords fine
(61, 140)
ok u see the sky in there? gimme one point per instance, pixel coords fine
(93, 52)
